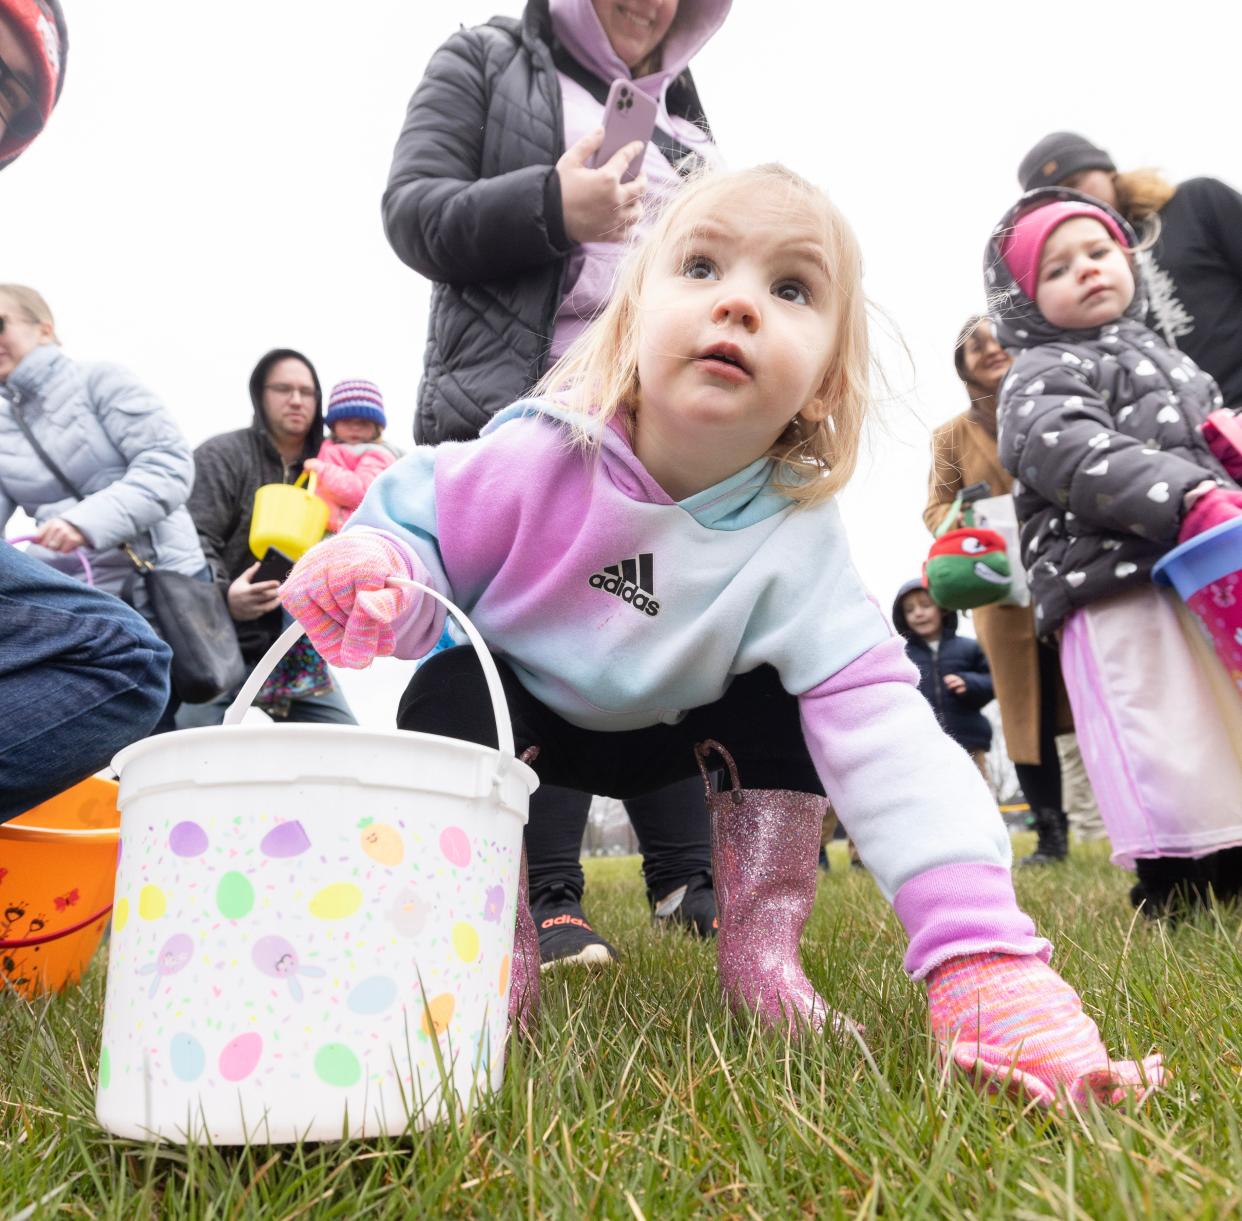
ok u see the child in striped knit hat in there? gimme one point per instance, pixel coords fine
(356, 453)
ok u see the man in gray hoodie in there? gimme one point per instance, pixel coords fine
(286, 429)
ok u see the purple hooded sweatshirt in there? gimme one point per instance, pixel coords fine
(592, 267)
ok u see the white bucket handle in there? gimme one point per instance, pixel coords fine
(291, 634)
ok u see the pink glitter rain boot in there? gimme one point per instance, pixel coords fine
(765, 847)
(524, 983)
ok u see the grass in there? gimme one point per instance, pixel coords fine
(642, 1097)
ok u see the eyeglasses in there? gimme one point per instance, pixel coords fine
(287, 391)
(19, 116)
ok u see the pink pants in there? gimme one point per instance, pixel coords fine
(1159, 724)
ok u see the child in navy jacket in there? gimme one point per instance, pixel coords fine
(953, 672)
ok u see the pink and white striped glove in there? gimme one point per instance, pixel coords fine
(336, 592)
(1014, 1024)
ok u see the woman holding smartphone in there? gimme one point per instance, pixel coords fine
(494, 196)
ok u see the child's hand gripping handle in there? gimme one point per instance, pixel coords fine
(339, 592)
(495, 689)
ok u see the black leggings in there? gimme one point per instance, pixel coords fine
(1041, 782)
(756, 719)
(673, 832)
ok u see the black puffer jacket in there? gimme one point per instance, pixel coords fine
(228, 470)
(959, 715)
(1100, 429)
(474, 204)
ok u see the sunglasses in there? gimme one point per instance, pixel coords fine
(20, 118)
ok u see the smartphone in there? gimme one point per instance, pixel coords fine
(274, 566)
(629, 114)
(976, 491)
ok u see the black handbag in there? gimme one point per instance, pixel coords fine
(191, 615)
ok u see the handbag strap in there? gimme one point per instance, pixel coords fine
(139, 564)
(680, 156)
(949, 517)
(43, 455)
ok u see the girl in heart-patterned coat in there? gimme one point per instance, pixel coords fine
(1099, 424)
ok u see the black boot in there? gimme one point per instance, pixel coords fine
(1052, 844)
(1228, 881)
(691, 905)
(1173, 886)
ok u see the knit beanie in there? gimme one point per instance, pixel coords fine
(357, 400)
(39, 29)
(1024, 244)
(1057, 156)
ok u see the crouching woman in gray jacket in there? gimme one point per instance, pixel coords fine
(120, 471)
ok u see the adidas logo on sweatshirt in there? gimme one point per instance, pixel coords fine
(631, 581)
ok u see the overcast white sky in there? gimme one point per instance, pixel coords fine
(209, 186)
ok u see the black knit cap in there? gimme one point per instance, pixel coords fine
(1057, 156)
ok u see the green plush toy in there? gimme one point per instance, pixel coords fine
(966, 567)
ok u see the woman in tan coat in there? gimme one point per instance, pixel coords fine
(1026, 674)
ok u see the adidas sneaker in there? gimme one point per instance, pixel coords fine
(565, 935)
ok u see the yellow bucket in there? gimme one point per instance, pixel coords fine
(56, 883)
(289, 517)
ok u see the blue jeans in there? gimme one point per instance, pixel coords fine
(81, 676)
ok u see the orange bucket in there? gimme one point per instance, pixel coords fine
(57, 874)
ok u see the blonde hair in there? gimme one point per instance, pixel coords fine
(1141, 194)
(31, 305)
(598, 376)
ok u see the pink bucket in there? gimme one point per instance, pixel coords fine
(1206, 572)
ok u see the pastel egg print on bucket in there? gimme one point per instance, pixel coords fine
(382, 843)
(372, 995)
(336, 1065)
(240, 1055)
(455, 845)
(465, 942)
(437, 1013)
(234, 895)
(285, 840)
(276, 957)
(336, 901)
(187, 1057)
(151, 903)
(173, 956)
(187, 839)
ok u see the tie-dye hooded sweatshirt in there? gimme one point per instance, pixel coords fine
(620, 608)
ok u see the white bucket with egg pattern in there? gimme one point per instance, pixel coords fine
(313, 927)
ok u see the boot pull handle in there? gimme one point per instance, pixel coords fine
(701, 752)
